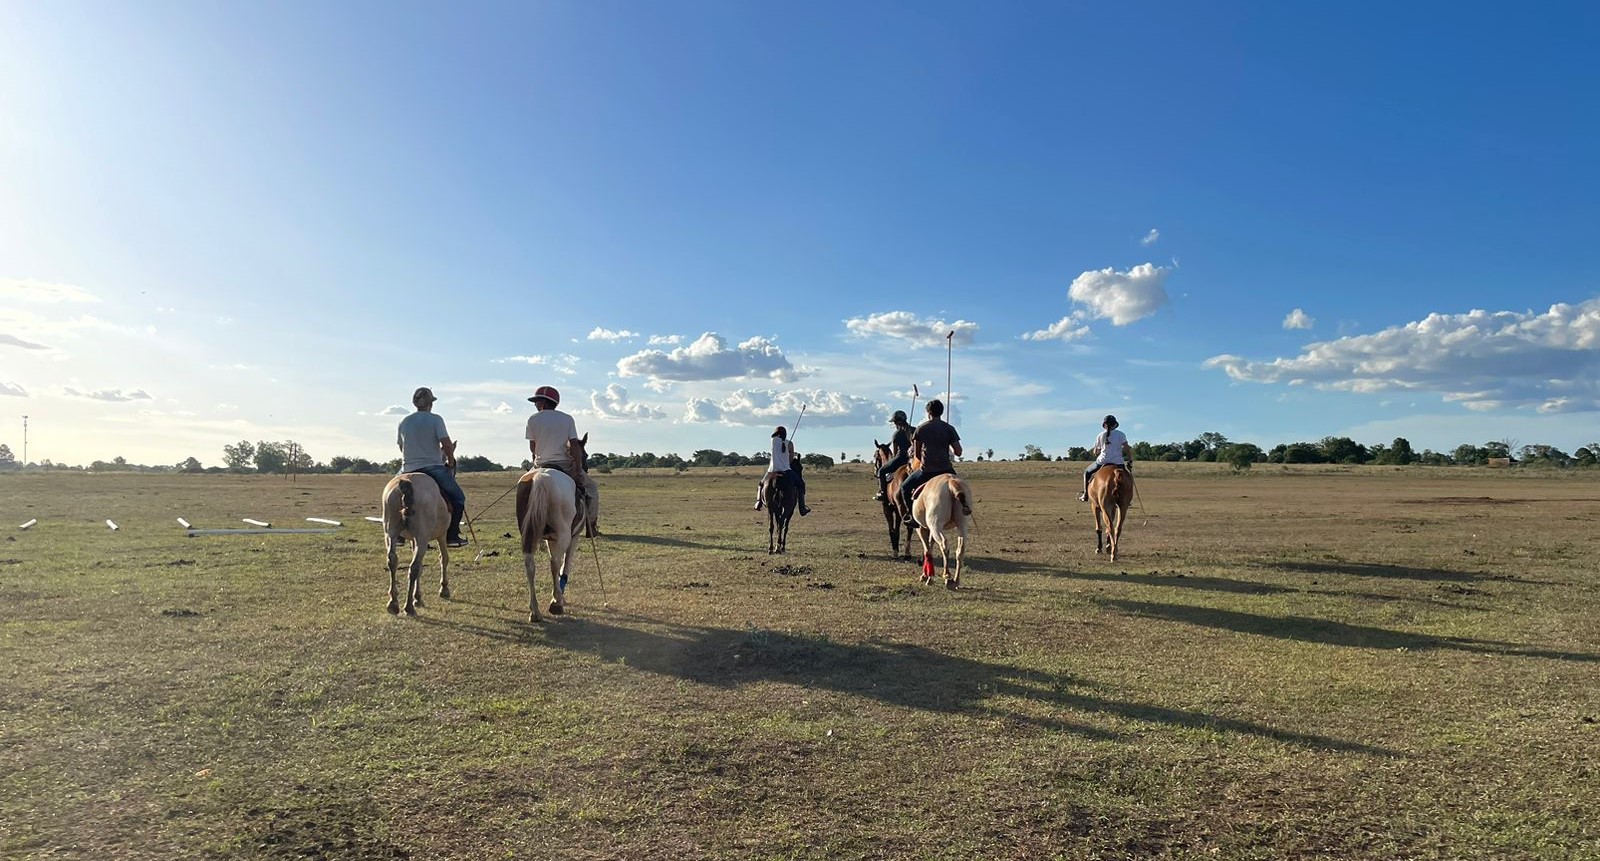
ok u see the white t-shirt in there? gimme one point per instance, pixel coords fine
(550, 430)
(780, 455)
(1110, 444)
(419, 437)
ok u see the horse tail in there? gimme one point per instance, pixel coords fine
(963, 494)
(408, 501)
(533, 512)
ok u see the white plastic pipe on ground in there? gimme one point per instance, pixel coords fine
(375, 519)
(183, 523)
(261, 523)
(114, 527)
(29, 523)
(323, 520)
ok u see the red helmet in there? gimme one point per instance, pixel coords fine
(549, 393)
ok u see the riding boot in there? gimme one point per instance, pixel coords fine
(453, 534)
(761, 495)
(804, 510)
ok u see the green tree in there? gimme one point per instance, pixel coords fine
(1342, 449)
(270, 457)
(1077, 452)
(1213, 441)
(191, 465)
(817, 461)
(7, 459)
(1032, 452)
(239, 456)
(1241, 455)
(707, 457)
(1303, 452)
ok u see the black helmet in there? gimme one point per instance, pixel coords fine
(1111, 421)
(899, 417)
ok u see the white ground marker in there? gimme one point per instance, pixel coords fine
(375, 519)
(323, 520)
(261, 523)
(183, 523)
(114, 527)
(194, 532)
(29, 523)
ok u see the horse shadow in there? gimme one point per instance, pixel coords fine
(663, 541)
(1404, 572)
(899, 674)
(1312, 630)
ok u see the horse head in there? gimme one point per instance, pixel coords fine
(880, 454)
(578, 453)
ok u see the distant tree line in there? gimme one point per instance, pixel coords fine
(282, 458)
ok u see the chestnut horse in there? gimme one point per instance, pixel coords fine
(414, 508)
(1110, 494)
(897, 519)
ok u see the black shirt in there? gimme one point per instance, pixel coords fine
(936, 436)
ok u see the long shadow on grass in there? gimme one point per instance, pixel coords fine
(1310, 630)
(901, 674)
(663, 541)
(1363, 569)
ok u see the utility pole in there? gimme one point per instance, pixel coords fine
(24, 442)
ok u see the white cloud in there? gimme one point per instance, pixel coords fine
(709, 358)
(12, 390)
(1298, 319)
(502, 409)
(1483, 360)
(614, 403)
(564, 363)
(394, 410)
(1150, 238)
(600, 334)
(110, 395)
(30, 290)
(767, 407)
(665, 340)
(14, 341)
(1068, 328)
(906, 326)
(1121, 297)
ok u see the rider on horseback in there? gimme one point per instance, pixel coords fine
(548, 431)
(428, 449)
(932, 443)
(784, 466)
(900, 445)
(1110, 449)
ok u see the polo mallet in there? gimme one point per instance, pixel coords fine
(464, 515)
(949, 346)
(914, 394)
(603, 594)
(1142, 510)
(797, 423)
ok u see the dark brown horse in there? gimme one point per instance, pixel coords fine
(1110, 494)
(897, 520)
(781, 498)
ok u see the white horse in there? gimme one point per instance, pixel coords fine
(547, 510)
(414, 508)
(945, 502)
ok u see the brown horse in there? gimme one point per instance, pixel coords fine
(780, 498)
(589, 499)
(897, 519)
(414, 508)
(1110, 494)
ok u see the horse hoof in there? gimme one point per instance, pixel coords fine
(445, 594)
(394, 609)
(534, 618)
(411, 611)
(555, 609)
(951, 585)
(926, 579)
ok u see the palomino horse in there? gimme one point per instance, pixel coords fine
(414, 508)
(892, 515)
(547, 510)
(945, 502)
(1110, 494)
(781, 498)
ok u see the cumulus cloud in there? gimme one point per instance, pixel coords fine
(665, 340)
(30, 290)
(1298, 319)
(1068, 328)
(614, 403)
(14, 341)
(1482, 360)
(12, 390)
(1150, 238)
(600, 334)
(1121, 297)
(110, 395)
(709, 358)
(906, 326)
(502, 408)
(394, 410)
(564, 363)
(767, 407)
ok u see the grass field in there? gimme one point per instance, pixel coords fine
(1334, 663)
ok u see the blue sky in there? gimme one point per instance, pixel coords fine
(1275, 221)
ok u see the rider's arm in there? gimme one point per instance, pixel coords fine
(956, 447)
(449, 449)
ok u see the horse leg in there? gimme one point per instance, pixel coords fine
(532, 570)
(772, 531)
(558, 555)
(961, 552)
(414, 577)
(390, 541)
(444, 573)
